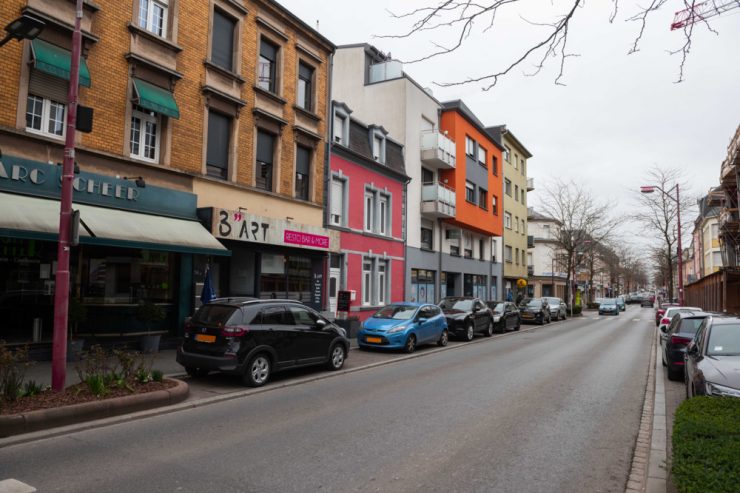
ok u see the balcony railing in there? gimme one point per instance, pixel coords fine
(530, 184)
(437, 150)
(385, 71)
(437, 200)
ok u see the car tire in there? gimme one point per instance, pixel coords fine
(469, 331)
(410, 345)
(258, 370)
(337, 355)
(444, 338)
(518, 325)
(489, 329)
(195, 372)
(675, 375)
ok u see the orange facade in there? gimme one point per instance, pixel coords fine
(486, 220)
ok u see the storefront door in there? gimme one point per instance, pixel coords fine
(334, 279)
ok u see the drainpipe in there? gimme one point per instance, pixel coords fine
(438, 281)
(327, 179)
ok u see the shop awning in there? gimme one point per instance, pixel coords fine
(57, 61)
(38, 218)
(155, 98)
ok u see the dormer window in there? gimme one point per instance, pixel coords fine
(377, 147)
(340, 130)
(377, 140)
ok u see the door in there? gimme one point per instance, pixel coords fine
(277, 332)
(312, 340)
(334, 278)
(480, 315)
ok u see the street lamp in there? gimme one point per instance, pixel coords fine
(24, 27)
(651, 189)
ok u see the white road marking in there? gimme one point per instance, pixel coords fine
(635, 319)
(15, 486)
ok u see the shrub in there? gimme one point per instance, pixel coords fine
(12, 370)
(577, 309)
(96, 384)
(32, 388)
(706, 445)
(157, 375)
(592, 306)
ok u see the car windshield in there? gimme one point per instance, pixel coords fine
(724, 340)
(534, 304)
(462, 305)
(499, 308)
(553, 301)
(396, 312)
(214, 314)
(621, 299)
(690, 325)
(608, 302)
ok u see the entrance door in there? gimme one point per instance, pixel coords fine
(334, 277)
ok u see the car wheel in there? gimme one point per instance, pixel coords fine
(410, 346)
(258, 370)
(444, 338)
(686, 384)
(489, 329)
(518, 325)
(196, 372)
(675, 375)
(662, 357)
(469, 332)
(337, 355)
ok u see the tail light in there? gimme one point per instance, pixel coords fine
(665, 321)
(233, 330)
(661, 311)
(680, 340)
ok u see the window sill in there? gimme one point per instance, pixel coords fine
(471, 202)
(139, 31)
(57, 139)
(428, 250)
(269, 95)
(224, 71)
(307, 113)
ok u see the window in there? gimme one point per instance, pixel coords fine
(524, 173)
(482, 157)
(507, 154)
(265, 152)
(507, 253)
(302, 172)
(494, 204)
(481, 249)
(377, 148)
(469, 192)
(145, 128)
(483, 198)
(222, 43)
(153, 16)
(524, 196)
(45, 116)
(516, 192)
(340, 122)
(546, 231)
(455, 250)
(494, 249)
(337, 216)
(423, 286)
(516, 224)
(469, 147)
(516, 161)
(304, 98)
(468, 243)
(382, 283)
(494, 166)
(303, 316)
(427, 176)
(426, 238)
(523, 228)
(267, 78)
(383, 212)
(507, 220)
(219, 143)
(369, 211)
(517, 256)
(367, 270)
(507, 187)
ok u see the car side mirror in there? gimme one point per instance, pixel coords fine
(421, 320)
(320, 324)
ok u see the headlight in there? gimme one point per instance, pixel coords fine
(721, 390)
(398, 328)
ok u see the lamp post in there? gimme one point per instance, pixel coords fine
(651, 189)
(24, 27)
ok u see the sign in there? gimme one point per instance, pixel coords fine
(344, 300)
(521, 283)
(240, 226)
(317, 284)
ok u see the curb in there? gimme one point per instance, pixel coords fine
(44, 419)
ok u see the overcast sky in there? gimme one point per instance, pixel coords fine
(617, 116)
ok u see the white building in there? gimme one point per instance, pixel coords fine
(547, 274)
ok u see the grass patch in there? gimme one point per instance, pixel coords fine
(706, 445)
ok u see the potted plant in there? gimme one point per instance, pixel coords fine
(148, 314)
(76, 313)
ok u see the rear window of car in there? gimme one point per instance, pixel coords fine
(497, 308)
(215, 314)
(724, 340)
(690, 325)
(534, 304)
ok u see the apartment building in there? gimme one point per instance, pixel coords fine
(707, 229)
(549, 274)
(211, 111)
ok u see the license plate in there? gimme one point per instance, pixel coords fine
(205, 338)
(376, 340)
(527, 315)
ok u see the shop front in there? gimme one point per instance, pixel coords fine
(136, 246)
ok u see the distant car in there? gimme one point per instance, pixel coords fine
(608, 306)
(467, 316)
(505, 315)
(535, 310)
(713, 358)
(671, 311)
(254, 338)
(675, 338)
(661, 310)
(558, 309)
(647, 301)
(404, 326)
(621, 303)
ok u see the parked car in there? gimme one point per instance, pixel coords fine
(466, 316)
(558, 309)
(675, 338)
(671, 311)
(505, 315)
(647, 301)
(404, 326)
(535, 310)
(621, 303)
(713, 358)
(661, 310)
(255, 338)
(608, 306)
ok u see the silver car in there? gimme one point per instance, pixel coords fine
(557, 308)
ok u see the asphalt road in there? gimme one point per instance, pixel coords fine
(555, 409)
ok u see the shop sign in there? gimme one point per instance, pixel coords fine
(237, 225)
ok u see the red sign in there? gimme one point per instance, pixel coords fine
(305, 239)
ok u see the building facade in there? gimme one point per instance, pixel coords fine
(549, 274)
(224, 102)
(366, 206)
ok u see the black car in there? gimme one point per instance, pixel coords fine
(713, 358)
(467, 315)
(675, 337)
(505, 315)
(254, 338)
(535, 310)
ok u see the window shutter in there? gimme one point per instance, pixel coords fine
(303, 160)
(218, 140)
(222, 49)
(47, 86)
(265, 147)
(337, 197)
(305, 71)
(268, 50)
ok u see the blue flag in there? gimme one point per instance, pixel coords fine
(208, 294)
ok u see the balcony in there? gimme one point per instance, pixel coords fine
(385, 71)
(437, 201)
(729, 220)
(530, 184)
(437, 150)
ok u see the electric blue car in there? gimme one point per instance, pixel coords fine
(404, 326)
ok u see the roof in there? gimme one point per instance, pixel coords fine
(501, 130)
(303, 25)
(460, 107)
(533, 215)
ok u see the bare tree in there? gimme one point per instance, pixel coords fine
(460, 18)
(583, 222)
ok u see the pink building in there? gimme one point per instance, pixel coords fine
(366, 205)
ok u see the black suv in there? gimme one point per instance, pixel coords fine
(466, 316)
(254, 338)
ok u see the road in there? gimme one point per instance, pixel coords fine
(554, 409)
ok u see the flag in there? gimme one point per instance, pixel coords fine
(208, 294)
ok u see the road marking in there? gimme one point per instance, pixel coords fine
(635, 319)
(15, 486)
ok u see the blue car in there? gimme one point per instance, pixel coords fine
(404, 326)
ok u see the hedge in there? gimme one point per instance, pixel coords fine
(706, 445)
(577, 309)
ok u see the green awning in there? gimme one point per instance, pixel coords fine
(57, 61)
(155, 98)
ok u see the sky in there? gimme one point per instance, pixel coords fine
(617, 116)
